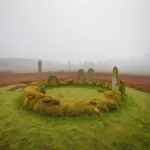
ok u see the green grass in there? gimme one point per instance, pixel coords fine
(126, 129)
(74, 93)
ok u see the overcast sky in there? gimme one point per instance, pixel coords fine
(74, 29)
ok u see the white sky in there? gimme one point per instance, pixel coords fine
(74, 29)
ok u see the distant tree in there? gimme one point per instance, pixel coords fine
(39, 66)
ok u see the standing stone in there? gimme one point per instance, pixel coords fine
(53, 80)
(122, 87)
(115, 79)
(39, 66)
(81, 76)
(91, 74)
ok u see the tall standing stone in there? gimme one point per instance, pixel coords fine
(91, 75)
(81, 76)
(39, 66)
(115, 79)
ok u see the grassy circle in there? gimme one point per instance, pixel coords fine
(73, 93)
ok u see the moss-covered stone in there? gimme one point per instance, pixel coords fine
(34, 97)
(111, 104)
(110, 101)
(114, 95)
(122, 87)
(53, 80)
(69, 81)
(81, 77)
(100, 84)
(90, 76)
(115, 79)
(30, 96)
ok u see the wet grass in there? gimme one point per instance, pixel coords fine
(126, 129)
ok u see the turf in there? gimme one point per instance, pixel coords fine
(70, 93)
(126, 129)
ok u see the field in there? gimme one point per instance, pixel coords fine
(126, 129)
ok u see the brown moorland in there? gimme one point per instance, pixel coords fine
(141, 83)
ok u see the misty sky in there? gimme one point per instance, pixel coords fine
(74, 29)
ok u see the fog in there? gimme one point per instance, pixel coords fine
(112, 31)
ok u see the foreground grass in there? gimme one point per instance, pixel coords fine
(126, 129)
(74, 93)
